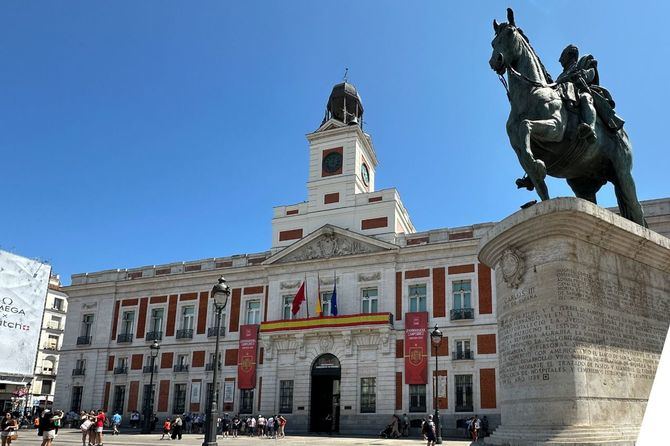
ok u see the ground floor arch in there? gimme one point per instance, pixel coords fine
(325, 394)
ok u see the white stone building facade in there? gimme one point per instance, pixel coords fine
(352, 367)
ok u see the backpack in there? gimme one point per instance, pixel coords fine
(424, 428)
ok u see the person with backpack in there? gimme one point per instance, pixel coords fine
(428, 431)
(177, 428)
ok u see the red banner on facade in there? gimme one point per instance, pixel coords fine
(246, 357)
(416, 348)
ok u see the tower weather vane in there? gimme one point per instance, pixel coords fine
(345, 78)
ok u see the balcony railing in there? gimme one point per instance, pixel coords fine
(462, 314)
(210, 367)
(463, 408)
(154, 336)
(147, 369)
(181, 368)
(83, 340)
(124, 337)
(53, 326)
(45, 371)
(78, 372)
(51, 347)
(464, 354)
(211, 332)
(120, 370)
(186, 333)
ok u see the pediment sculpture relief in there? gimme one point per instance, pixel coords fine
(331, 245)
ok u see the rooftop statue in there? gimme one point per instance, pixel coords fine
(566, 129)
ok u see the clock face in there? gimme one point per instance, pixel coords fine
(332, 162)
(365, 174)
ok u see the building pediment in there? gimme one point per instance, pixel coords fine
(327, 242)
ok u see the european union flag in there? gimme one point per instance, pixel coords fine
(333, 300)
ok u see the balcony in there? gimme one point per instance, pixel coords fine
(180, 368)
(54, 327)
(53, 347)
(78, 372)
(154, 336)
(47, 371)
(463, 408)
(84, 340)
(210, 367)
(211, 332)
(186, 333)
(124, 337)
(120, 370)
(462, 314)
(462, 355)
(147, 369)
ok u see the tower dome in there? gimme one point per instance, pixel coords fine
(344, 105)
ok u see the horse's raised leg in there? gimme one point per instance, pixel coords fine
(551, 130)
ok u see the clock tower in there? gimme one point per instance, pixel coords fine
(341, 183)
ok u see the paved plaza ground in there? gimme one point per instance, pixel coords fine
(72, 437)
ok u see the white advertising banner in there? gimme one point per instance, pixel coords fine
(23, 290)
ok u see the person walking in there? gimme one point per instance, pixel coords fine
(235, 425)
(8, 426)
(282, 426)
(177, 428)
(405, 425)
(167, 427)
(85, 428)
(429, 431)
(47, 429)
(116, 422)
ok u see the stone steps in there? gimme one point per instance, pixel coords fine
(582, 436)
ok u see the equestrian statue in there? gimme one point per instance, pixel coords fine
(566, 129)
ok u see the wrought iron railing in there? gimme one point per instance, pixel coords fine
(462, 313)
(83, 340)
(120, 370)
(211, 332)
(180, 368)
(78, 372)
(185, 333)
(124, 337)
(463, 354)
(147, 369)
(154, 336)
(210, 367)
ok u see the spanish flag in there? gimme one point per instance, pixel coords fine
(319, 309)
(298, 299)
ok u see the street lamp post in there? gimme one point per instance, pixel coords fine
(149, 400)
(436, 338)
(220, 294)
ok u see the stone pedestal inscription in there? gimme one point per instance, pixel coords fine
(581, 326)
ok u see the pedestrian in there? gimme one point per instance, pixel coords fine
(235, 425)
(167, 427)
(429, 431)
(85, 428)
(282, 426)
(177, 428)
(46, 429)
(100, 420)
(188, 422)
(405, 425)
(225, 425)
(477, 428)
(251, 424)
(8, 426)
(135, 419)
(395, 422)
(270, 427)
(116, 422)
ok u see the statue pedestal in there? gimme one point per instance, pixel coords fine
(583, 301)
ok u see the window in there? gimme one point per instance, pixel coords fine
(287, 307)
(212, 362)
(417, 297)
(461, 294)
(247, 400)
(75, 403)
(58, 304)
(52, 342)
(157, 320)
(463, 393)
(417, 397)
(187, 317)
(369, 300)
(46, 386)
(182, 359)
(127, 322)
(462, 349)
(80, 366)
(325, 302)
(179, 400)
(253, 312)
(286, 396)
(122, 363)
(119, 396)
(86, 325)
(368, 395)
(149, 392)
(55, 322)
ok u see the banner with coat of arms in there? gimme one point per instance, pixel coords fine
(416, 348)
(246, 357)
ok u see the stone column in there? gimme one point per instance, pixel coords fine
(583, 309)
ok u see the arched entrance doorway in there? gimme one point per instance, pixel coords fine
(325, 401)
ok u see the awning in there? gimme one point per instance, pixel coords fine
(328, 321)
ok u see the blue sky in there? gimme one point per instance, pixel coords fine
(139, 133)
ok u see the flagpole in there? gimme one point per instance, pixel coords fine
(306, 296)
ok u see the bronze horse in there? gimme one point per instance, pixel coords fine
(542, 129)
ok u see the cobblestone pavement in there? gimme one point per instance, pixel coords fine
(71, 437)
